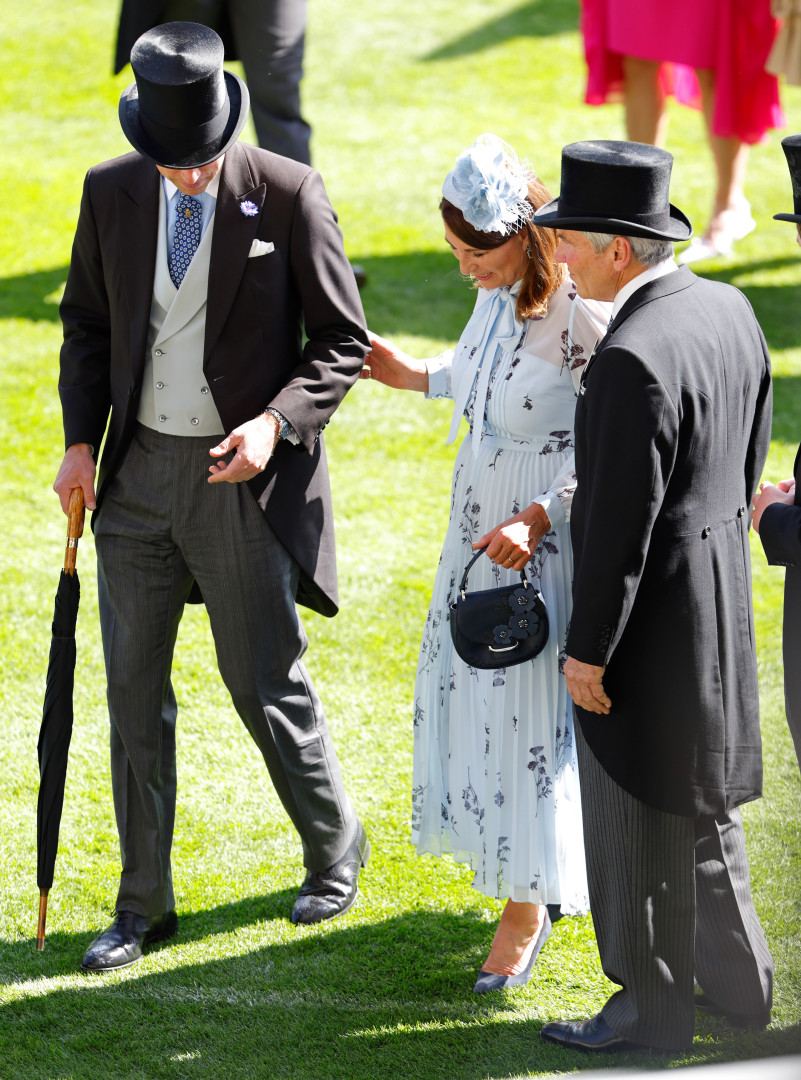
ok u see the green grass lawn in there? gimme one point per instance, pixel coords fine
(394, 90)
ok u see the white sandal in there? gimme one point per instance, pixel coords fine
(733, 225)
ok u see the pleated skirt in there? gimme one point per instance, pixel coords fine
(495, 780)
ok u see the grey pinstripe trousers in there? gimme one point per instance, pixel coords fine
(160, 526)
(671, 902)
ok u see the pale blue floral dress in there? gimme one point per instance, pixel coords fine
(495, 780)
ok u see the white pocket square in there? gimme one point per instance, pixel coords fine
(260, 247)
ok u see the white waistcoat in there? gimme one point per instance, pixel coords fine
(175, 398)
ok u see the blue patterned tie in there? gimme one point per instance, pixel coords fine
(187, 236)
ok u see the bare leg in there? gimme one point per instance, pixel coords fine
(515, 937)
(730, 155)
(731, 213)
(646, 117)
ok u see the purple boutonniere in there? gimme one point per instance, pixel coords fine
(249, 209)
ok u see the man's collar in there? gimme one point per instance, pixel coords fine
(667, 266)
(170, 188)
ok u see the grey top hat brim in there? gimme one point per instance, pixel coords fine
(548, 216)
(204, 152)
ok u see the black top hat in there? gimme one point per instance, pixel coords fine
(615, 187)
(792, 151)
(184, 110)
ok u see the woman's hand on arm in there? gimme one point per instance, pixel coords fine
(388, 365)
(513, 542)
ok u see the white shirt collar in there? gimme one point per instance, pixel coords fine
(667, 266)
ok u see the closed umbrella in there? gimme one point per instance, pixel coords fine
(56, 730)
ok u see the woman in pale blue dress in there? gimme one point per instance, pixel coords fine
(495, 780)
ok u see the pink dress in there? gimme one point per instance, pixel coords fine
(731, 37)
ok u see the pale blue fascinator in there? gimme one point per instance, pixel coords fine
(489, 184)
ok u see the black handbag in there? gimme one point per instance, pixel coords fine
(496, 628)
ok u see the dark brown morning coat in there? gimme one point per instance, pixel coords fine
(672, 431)
(256, 311)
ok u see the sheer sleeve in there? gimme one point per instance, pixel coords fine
(558, 499)
(439, 375)
(586, 326)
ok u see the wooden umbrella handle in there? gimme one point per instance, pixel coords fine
(40, 929)
(74, 529)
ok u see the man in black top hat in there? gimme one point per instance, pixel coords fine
(777, 516)
(199, 266)
(672, 430)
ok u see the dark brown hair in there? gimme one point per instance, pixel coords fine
(542, 275)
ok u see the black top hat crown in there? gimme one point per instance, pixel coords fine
(616, 187)
(184, 110)
(792, 151)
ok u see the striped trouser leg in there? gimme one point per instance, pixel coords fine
(733, 964)
(670, 898)
(640, 870)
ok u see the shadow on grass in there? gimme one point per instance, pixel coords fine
(421, 293)
(787, 407)
(33, 296)
(540, 18)
(391, 1000)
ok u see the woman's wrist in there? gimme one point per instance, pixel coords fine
(536, 517)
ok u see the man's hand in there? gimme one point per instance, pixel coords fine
(77, 470)
(254, 443)
(513, 542)
(585, 686)
(783, 492)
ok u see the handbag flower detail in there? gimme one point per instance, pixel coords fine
(522, 599)
(523, 623)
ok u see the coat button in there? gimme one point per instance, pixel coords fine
(204, 389)
(159, 352)
(195, 421)
(159, 385)
(162, 418)
(740, 511)
(705, 532)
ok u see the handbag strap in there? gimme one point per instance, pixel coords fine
(478, 554)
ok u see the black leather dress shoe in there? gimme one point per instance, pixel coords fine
(328, 893)
(122, 944)
(744, 1021)
(593, 1035)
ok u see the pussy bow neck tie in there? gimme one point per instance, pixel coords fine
(492, 330)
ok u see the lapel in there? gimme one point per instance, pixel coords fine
(680, 279)
(137, 214)
(233, 231)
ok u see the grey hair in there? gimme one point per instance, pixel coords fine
(647, 252)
